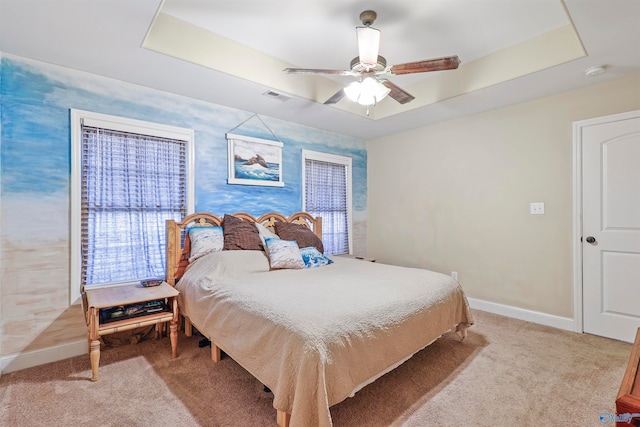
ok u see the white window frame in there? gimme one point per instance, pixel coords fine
(88, 118)
(337, 159)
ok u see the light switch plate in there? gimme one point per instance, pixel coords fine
(537, 208)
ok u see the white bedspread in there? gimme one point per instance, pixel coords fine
(316, 336)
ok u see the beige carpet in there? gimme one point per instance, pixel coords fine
(506, 373)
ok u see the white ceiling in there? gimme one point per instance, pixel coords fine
(231, 52)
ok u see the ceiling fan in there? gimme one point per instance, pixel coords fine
(369, 68)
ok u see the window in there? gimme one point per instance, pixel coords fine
(326, 180)
(128, 178)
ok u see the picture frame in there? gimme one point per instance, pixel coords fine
(254, 161)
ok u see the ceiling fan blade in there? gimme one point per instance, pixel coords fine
(437, 64)
(335, 98)
(319, 71)
(398, 93)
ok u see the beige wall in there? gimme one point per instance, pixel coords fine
(455, 196)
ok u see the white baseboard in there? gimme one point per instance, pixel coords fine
(28, 359)
(524, 314)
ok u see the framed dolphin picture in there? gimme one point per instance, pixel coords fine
(254, 161)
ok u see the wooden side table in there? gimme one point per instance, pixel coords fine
(115, 296)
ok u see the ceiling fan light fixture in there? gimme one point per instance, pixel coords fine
(353, 91)
(368, 45)
(368, 92)
(374, 89)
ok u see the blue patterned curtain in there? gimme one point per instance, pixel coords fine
(326, 196)
(131, 184)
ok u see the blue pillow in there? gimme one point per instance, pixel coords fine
(312, 257)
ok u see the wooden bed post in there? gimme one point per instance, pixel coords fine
(317, 229)
(188, 327)
(173, 251)
(216, 354)
(283, 418)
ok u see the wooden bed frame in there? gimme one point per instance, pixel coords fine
(178, 245)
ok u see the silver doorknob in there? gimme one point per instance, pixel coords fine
(591, 239)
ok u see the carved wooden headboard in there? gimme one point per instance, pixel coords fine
(178, 239)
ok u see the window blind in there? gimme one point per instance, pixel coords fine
(131, 184)
(326, 196)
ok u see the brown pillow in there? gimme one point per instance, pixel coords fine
(300, 233)
(240, 235)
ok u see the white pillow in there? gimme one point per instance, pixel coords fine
(204, 240)
(284, 254)
(265, 233)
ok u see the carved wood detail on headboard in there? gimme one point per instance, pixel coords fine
(178, 244)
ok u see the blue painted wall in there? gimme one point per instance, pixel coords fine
(35, 144)
(36, 99)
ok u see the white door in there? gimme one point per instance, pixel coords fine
(611, 226)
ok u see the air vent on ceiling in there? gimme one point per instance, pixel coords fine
(275, 95)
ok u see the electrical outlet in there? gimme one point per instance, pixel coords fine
(537, 208)
(454, 274)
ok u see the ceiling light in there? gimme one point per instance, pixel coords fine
(596, 70)
(368, 92)
(368, 45)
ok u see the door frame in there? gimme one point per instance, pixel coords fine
(577, 206)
